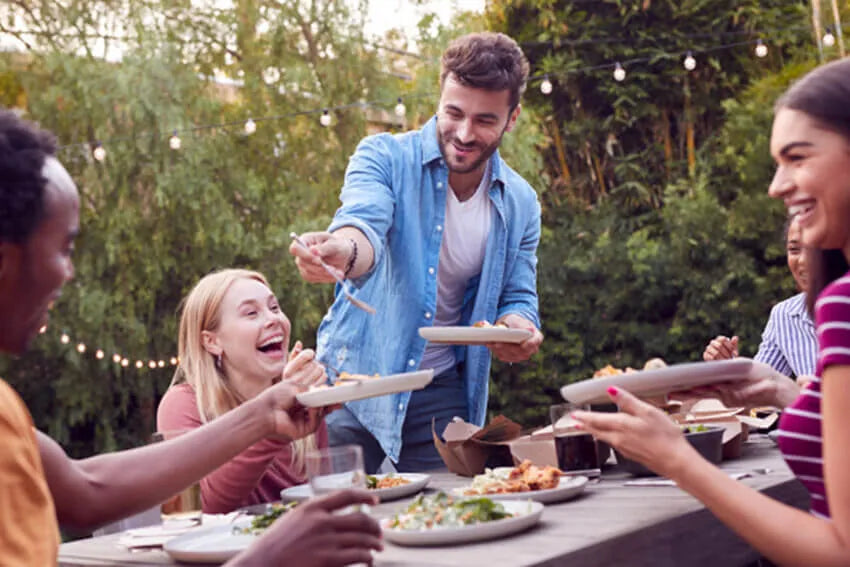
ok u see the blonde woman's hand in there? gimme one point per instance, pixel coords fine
(639, 431)
(303, 368)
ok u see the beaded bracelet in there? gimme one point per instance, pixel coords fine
(353, 259)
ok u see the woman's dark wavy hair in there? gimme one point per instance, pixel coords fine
(487, 60)
(23, 150)
(823, 94)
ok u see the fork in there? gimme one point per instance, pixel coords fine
(359, 303)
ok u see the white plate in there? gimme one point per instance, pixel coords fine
(366, 389)
(568, 487)
(665, 380)
(528, 514)
(417, 482)
(473, 335)
(213, 545)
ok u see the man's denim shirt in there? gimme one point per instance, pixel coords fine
(395, 193)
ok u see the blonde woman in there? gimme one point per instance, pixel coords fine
(233, 344)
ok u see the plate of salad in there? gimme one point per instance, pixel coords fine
(221, 543)
(390, 486)
(441, 519)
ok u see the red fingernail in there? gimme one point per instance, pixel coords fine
(578, 426)
(612, 391)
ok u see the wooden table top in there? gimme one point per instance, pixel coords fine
(610, 524)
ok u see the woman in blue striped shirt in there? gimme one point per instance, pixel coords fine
(788, 344)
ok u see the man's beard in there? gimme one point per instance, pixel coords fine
(485, 153)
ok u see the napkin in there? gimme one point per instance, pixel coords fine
(156, 536)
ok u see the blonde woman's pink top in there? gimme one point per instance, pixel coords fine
(256, 475)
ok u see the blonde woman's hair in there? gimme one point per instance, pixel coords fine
(214, 393)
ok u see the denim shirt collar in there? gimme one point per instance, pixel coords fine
(431, 152)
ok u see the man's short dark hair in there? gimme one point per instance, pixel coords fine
(23, 150)
(487, 60)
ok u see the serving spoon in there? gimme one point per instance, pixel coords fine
(359, 303)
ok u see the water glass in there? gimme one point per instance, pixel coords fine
(335, 468)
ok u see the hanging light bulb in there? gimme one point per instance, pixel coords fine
(271, 75)
(828, 38)
(690, 62)
(619, 72)
(42, 330)
(139, 364)
(325, 118)
(116, 358)
(546, 86)
(99, 354)
(761, 49)
(81, 348)
(400, 109)
(161, 364)
(250, 126)
(125, 363)
(151, 364)
(64, 339)
(174, 141)
(99, 153)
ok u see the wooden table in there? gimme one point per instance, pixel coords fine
(611, 524)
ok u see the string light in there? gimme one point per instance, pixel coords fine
(161, 364)
(64, 339)
(139, 364)
(325, 118)
(151, 364)
(400, 109)
(99, 153)
(761, 49)
(619, 72)
(173, 361)
(828, 38)
(271, 75)
(250, 126)
(99, 354)
(690, 62)
(42, 330)
(546, 86)
(125, 363)
(81, 348)
(116, 358)
(174, 141)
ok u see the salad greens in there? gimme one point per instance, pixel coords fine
(443, 511)
(260, 523)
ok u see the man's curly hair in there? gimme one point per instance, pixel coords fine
(23, 150)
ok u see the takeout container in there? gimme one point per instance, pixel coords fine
(708, 443)
(469, 449)
(736, 423)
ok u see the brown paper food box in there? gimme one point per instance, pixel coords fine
(469, 449)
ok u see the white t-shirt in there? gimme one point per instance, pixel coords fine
(466, 228)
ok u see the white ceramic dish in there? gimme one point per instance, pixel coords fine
(417, 482)
(213, 545)
(527, 514)
(662, 381)
(369, 388)
(473, 335)
(569, 487)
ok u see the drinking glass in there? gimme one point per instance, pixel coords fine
(335, 468)
(576, 449)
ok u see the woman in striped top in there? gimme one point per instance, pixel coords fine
(811, 145)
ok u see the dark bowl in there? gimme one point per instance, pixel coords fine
(708, 443)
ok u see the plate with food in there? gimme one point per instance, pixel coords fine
(351, 387)
(479, 333)
(390, 486)
(661, 381)
(541, 484)
(441, 519)
(221, 543)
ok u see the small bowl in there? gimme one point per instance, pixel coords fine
(708, 443)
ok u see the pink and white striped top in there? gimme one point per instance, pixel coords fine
(800, 426)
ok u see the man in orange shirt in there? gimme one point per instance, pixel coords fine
(39, 483)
